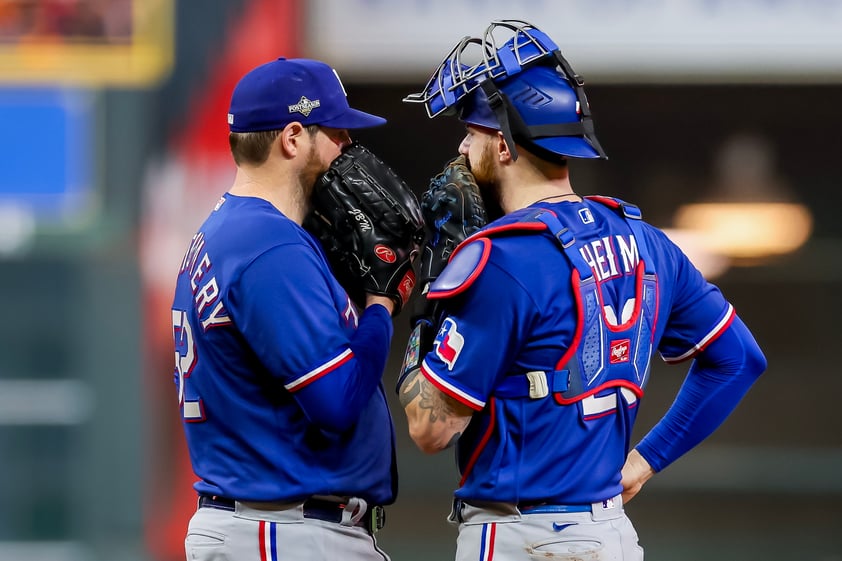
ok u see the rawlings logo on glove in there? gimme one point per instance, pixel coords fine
(370, 225)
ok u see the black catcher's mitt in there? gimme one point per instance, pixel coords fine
(453, 210)
(370, 225)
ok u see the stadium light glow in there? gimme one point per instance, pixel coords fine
(747, 231)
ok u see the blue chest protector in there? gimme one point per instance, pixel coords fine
(606, 351)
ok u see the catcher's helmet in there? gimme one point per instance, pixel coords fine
(525, 88)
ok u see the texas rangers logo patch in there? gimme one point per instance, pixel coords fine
(449, 342)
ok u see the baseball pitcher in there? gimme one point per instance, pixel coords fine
(277, 368)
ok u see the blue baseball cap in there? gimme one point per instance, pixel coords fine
(277, 93)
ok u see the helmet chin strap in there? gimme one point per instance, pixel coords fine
(579, 86)
(500, 104)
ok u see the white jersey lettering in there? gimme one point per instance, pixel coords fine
(196, 245)
(588, 257)
(206, 296)
(217, 317)
(603, 260)
(185, 354)
(599, 252)
(350, 314)
(609, 256)
(204, 266)
(628, 253)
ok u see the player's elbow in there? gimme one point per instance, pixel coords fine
(427, 442)
(438, 423)
(735, 353)
(433, 437)
(427, 435)
(755, 361)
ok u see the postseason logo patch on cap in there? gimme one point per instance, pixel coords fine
(304, 106)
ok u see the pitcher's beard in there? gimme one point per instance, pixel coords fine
(313, 170)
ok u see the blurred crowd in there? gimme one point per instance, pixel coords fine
(24, 21)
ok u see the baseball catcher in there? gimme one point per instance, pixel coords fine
(548, 319)
(370, 225)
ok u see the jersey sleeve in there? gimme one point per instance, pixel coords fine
(716, 382)
(479, 337)
(284, 307)
(699, 312)
(295, 322)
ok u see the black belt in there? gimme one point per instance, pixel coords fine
(374, 519)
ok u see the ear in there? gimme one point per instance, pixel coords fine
(504, 154)
(291, 139)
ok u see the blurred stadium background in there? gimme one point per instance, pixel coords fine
(723, 120)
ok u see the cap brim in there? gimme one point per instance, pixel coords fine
(354, 119)
(573, 146)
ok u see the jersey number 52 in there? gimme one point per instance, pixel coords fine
(185, 361)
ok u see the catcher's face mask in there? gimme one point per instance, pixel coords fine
(524, 88)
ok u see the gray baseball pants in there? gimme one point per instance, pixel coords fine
(281, 533)
(502, 532)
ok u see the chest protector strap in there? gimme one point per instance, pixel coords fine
(608, 350)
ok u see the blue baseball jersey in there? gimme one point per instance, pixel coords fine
(551, 346)
(266, 367)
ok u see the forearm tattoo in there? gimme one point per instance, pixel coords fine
(415, 388)
(436, 402)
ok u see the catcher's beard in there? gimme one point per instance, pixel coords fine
(486, 178)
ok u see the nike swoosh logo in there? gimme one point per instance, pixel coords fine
(560, 527)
